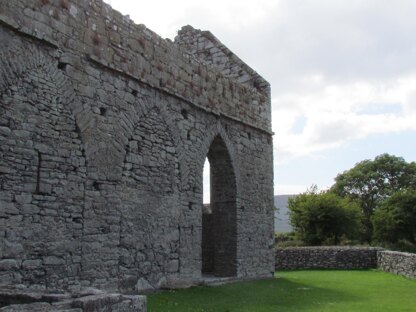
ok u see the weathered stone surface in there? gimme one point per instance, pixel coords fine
(8, 264)
(143, 286)
(104, 131)
(20, 299)
(401, 263)
(32, 307)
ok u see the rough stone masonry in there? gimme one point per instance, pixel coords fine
(104, 131)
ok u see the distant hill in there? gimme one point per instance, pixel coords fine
(281, 218)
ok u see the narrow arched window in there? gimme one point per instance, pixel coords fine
(219, 218)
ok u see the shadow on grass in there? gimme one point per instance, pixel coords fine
(279, 294)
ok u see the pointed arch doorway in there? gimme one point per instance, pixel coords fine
(219, 218)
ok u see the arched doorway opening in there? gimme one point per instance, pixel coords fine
(219, 219)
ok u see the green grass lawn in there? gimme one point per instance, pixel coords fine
(344, 291)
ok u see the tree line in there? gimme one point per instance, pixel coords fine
(372, 203)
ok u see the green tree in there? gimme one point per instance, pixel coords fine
(396, 219)
(323, 218)
(370, 182)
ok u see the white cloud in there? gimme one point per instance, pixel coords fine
(166, 17)
(336, 115)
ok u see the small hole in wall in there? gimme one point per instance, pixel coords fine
(77, 220)
(103, 111)
(96, 185)
(188, 135)
(249, 135)
(242, 208)
(37, 190)
(134, 92)
(184, 113)
(190, 205)
(269, 141)
(62, 66)
(77, 130)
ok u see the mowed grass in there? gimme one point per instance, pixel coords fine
(296, 291)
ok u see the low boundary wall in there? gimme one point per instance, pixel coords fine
(401, 263)
(325, 258)
(346, 258)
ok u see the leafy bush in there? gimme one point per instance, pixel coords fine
(395, 222)
(371, 182)
(323, 218)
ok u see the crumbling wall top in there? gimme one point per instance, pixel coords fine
(206, 47)
(92, 30)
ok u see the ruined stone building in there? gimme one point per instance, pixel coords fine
(104, 131)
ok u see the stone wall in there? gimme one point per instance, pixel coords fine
(401, 263)
(206, 47)
(104, 131)
(17, 299)
(348, 258)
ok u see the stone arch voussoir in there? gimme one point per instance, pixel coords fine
(17, 63)
(217, 130)
(141, 110)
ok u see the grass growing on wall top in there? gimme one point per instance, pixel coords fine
(297, 291)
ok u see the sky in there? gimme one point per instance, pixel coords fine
(343, 74)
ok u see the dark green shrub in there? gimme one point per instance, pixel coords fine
(395, 222)
(323, 218)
